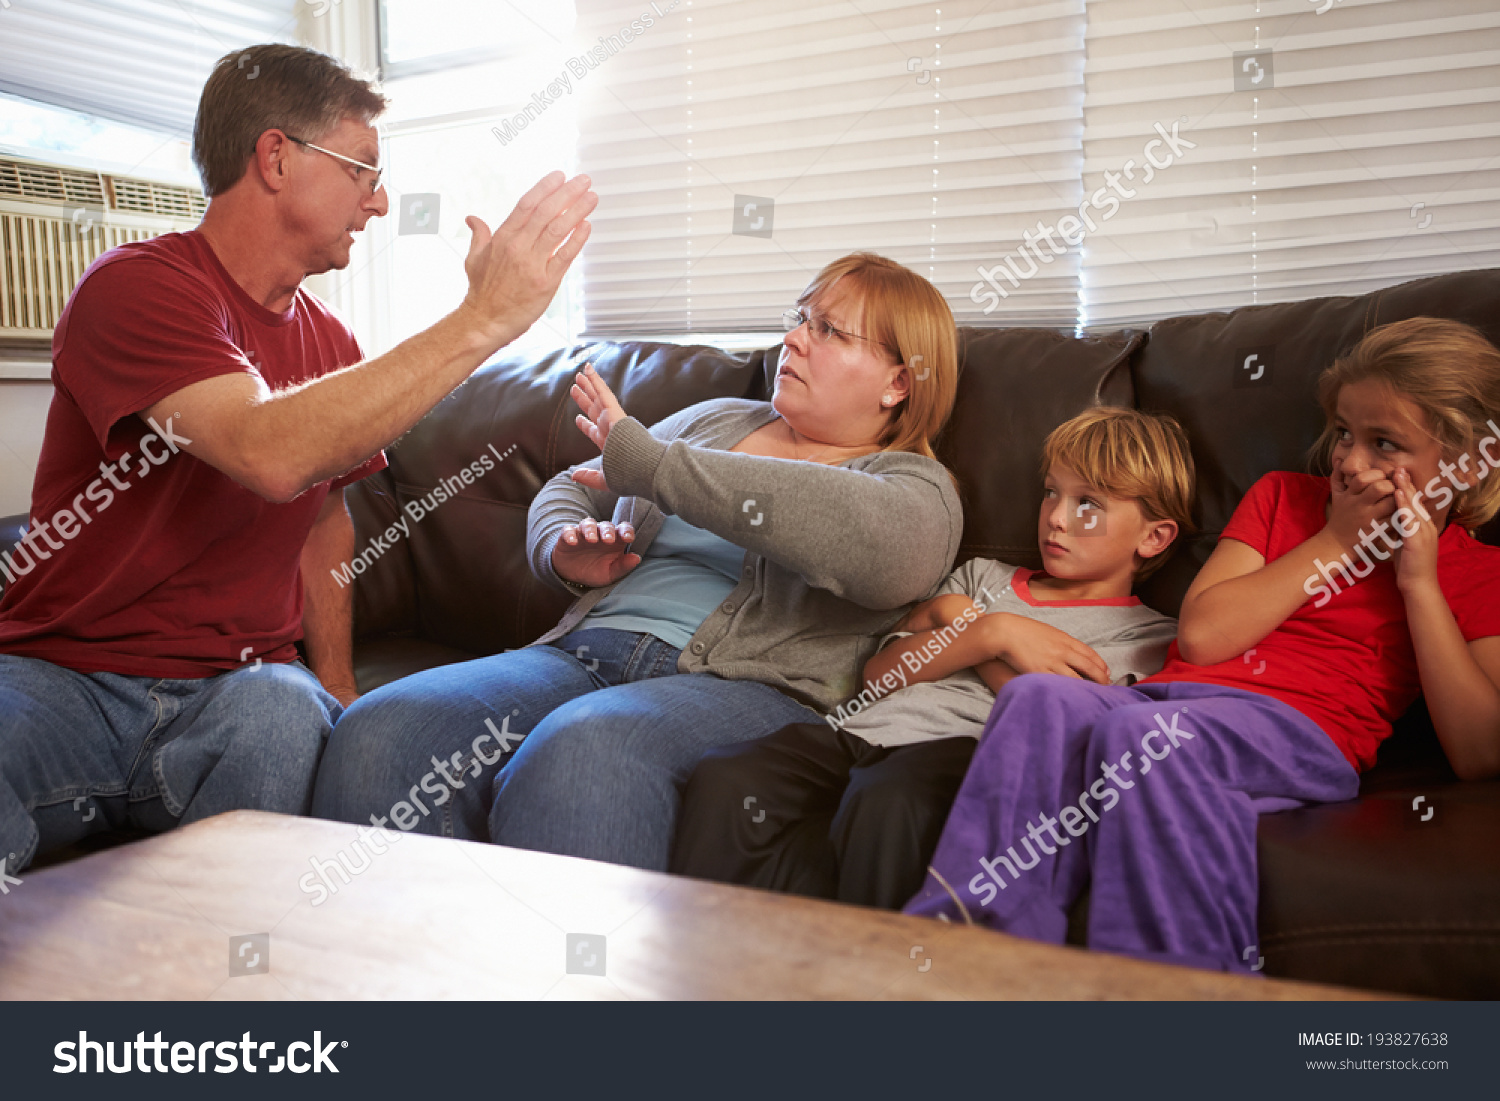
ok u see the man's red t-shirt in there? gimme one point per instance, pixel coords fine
(1349, 666)
(153, 563)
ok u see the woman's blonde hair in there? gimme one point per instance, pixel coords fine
(906, 315)
(1449, 371)
(1132, 455)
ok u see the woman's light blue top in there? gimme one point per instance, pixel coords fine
(682, 577)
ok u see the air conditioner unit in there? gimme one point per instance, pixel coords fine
(55, 221)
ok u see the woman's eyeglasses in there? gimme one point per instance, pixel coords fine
(820, 330)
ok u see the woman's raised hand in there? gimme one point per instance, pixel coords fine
(594, 553)
(601, 411)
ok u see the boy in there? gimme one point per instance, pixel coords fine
(853, 809)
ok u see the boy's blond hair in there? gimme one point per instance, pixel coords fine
(1131, 455)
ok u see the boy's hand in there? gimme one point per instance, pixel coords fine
(996, 674)
(1357, 502)
(1030, 646)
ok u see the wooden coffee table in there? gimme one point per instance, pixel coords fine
(168, 918)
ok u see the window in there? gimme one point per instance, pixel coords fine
(1338, 148)
(454, 76)
(140, 63)
(56, 134)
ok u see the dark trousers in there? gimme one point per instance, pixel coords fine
(815, 811)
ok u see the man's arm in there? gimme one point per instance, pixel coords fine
(327, 606)
(279, 444)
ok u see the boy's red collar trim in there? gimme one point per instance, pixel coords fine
(1021, 583)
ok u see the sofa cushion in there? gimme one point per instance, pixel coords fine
(385, 591)
(1398, 890)
(379, 661)
(1014, 387)
(1242, 426)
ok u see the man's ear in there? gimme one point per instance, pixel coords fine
(1158, 538)
(272, 149)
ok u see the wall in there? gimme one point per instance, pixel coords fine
(23, 416)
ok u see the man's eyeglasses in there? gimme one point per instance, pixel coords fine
(820, 330)
(359, 166)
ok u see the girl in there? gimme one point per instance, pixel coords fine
(1270, 699)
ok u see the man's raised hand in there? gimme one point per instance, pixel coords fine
(515, 271)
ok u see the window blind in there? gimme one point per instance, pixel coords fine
(739, 147)
(1338, 148)
(136, 61)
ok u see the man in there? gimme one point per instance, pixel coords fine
(188, 503)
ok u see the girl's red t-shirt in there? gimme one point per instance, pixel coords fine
(1349, 665)
(170, 568)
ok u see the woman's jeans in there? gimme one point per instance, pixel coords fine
(580, 747)
(86, 752)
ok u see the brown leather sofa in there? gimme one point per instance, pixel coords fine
(1370, 893)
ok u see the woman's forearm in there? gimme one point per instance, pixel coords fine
(880, 540)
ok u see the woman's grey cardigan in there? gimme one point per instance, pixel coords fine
(833, 554)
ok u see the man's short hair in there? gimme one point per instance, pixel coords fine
(260, 88)
(1131, 455)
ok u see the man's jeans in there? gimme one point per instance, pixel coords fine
(85, 752)
(611, 733)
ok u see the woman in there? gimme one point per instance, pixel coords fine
(734, 565)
